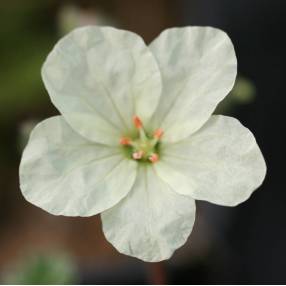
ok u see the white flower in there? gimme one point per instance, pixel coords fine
(137, 141)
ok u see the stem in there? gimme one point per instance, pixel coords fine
(157, 273)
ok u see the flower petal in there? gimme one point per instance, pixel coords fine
(198, 67)
(64, 174)
(99, 77)
(152, 221)
(221, 163)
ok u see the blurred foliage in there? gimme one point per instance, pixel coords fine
(26, 38)
(243, 92)
(70, 17)
(24, 133)
(42, 269)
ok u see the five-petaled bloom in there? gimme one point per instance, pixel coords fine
(137, 141)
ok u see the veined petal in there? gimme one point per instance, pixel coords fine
(198, 67)
(65, 174)
(221, 163)
(152, 221)
(99, 77)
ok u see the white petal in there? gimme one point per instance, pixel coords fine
(221, 163)
(99, 77)
(64, 174)
(198, 67)
(152, 221)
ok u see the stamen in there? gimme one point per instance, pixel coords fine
(154, 158)
(137, 122)
(137, 155)
(158, 133)
(125, 141)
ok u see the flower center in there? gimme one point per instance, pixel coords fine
(144, 147)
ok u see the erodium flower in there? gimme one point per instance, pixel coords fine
(137, 141)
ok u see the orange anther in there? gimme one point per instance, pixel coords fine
(125, 141)
(158, 133)
(154, 158)
(137, 155)
(137, 122)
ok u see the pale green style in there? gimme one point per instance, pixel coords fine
(83, 162)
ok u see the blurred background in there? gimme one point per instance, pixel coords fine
(246, 244)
